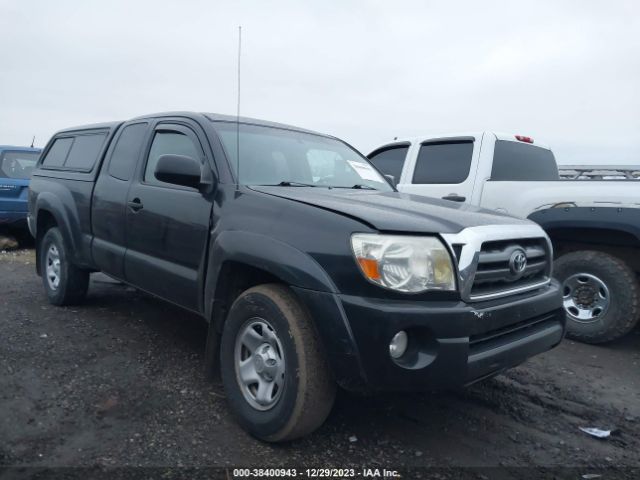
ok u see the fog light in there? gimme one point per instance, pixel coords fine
(398, 344)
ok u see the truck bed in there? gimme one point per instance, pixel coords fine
(526, 197)
(599, 172)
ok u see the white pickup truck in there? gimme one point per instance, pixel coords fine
(594, 225)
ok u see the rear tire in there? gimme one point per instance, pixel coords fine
(601, 296)
(286, 390)
(64, 283)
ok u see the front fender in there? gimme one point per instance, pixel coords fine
(309, 281)
(290, 265)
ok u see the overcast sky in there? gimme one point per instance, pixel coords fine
(566, 73)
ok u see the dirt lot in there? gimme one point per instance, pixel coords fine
(118, 382)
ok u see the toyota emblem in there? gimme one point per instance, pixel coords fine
(517, 262)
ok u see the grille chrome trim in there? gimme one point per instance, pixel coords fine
(512, 291)
(466, 246)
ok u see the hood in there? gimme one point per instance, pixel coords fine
(394, 211)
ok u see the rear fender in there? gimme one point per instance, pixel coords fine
(66, 220)
(604, 219)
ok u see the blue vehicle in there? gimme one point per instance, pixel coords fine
(16, 164)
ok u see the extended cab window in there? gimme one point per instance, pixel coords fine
(126, 151)
(84, 151)
(516, 161)
(78, 152)
(390, 160)
(443, 162)
(57, 154)
(167, 142)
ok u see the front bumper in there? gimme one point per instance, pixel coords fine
(450, 343)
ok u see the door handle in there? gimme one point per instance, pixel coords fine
(135, 204)
(454, 197)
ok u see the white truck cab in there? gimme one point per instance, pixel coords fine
(594, 224)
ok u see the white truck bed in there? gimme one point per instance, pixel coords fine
(599, 172)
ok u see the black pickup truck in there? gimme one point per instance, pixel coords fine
(311, 269)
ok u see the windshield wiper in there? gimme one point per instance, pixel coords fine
(360, 186)
(287, 183)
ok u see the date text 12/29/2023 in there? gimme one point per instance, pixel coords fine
(239, 473)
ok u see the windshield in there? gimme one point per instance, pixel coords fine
(17, 164)
(274, 156)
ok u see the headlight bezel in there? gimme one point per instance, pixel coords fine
(434, 248)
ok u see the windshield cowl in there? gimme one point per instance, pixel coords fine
(287, 183)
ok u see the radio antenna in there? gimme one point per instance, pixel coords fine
(238, 110)
(33, 140)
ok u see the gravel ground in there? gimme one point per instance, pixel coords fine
(118, 382)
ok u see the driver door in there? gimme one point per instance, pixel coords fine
(168, 225)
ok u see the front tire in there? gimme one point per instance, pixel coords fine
(64, 283)
(274, 371)
(601, 296)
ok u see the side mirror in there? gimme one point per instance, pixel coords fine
(392, 180)
(179, 170)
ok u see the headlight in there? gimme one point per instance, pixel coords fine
(404, 263)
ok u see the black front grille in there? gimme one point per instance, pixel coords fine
(496, 272)
(506, 334)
